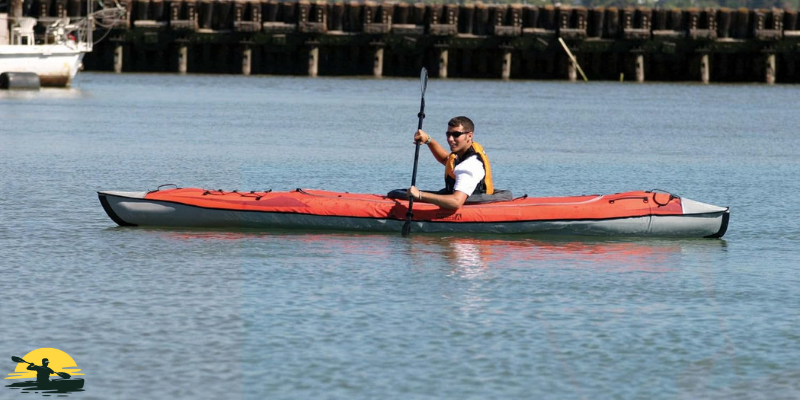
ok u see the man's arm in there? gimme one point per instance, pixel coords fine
(439, 152)
(468, 175)
(449, 201)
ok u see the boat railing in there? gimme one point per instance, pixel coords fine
(74, 32)
(81, 31)
(111, 14)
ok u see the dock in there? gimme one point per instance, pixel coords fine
(487, 41)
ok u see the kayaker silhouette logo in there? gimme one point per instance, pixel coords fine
(37, 368)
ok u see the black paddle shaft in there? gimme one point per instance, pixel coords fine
(421, 116)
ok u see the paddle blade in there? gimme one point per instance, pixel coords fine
(406, 228)
(64, 375)
(423, 80)
(18, 360)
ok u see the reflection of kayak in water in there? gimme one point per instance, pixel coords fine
(61, 385)
(629, 214)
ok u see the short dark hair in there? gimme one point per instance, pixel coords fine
(462, 121)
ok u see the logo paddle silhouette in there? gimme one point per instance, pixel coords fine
(43, 372)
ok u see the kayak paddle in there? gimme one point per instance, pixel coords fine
(19, 360)
(423, 81)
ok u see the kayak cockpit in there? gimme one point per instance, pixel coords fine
(496, 197)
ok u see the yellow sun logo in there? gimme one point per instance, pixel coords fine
(59, 361)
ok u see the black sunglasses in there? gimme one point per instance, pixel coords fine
(455, 134)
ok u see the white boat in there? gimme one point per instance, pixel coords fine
(54, 51)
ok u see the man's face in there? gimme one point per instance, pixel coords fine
(458, 138)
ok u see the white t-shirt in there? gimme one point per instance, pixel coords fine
(468, 175)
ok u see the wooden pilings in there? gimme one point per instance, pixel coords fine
(247, 60)
(313, 60)
(183, 59)
(506, 74)
(443, 60)
(705, 70)
(377, 62)
(639, 68)
(770, 69)
(118, 54)
(496, 41)
(16, 8)
(572, 71)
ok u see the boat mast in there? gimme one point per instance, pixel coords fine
(89, 24)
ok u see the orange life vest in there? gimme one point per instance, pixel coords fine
(485, 185)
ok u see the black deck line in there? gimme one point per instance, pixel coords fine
(111, 213)
(723, 227)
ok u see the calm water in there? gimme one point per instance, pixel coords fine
(155, 313)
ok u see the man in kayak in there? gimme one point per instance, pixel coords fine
(467, 169)
(43, 372)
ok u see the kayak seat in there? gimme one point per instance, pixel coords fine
(499, 195)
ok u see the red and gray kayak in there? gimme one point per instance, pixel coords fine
(638, 213)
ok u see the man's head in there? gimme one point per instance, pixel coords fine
(45, 362)
(459, 134)
(463, 122)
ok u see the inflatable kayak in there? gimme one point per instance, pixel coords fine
(641, 213)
